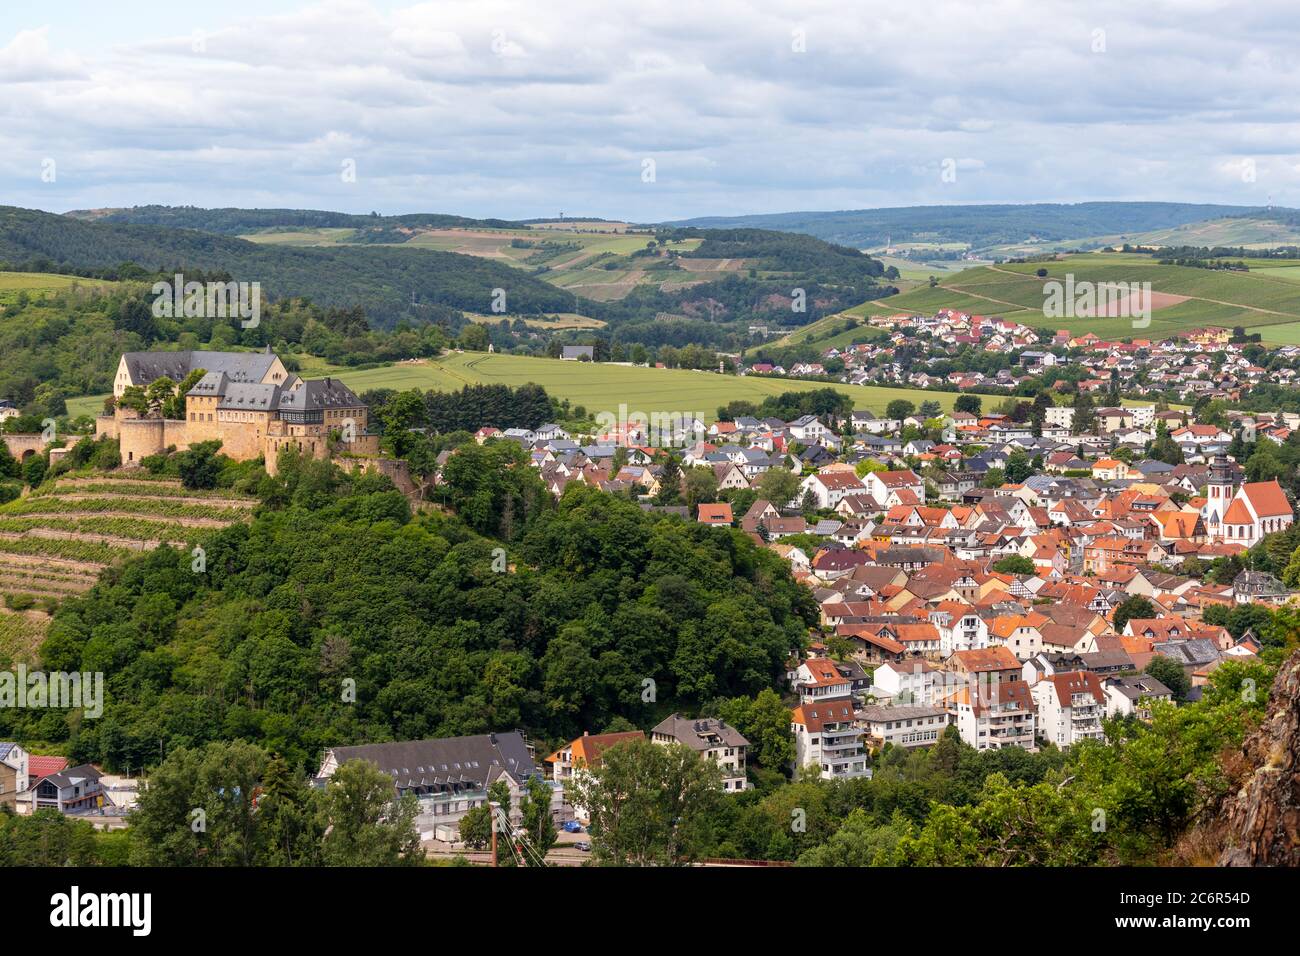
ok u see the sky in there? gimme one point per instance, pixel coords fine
(647, 111)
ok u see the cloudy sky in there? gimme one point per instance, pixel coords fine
(649, 110)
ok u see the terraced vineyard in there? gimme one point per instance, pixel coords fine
(55, 542)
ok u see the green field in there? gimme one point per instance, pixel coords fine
(602, 387)
(1255, 300)
(36, 284)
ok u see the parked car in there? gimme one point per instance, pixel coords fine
(584, 846)
(572, 826)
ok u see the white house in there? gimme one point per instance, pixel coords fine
(830, 487)
(903, 726)
(1071, 706)
(826, 735)
(994, 716)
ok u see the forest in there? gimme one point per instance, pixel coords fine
(514, 611)
(392, 282)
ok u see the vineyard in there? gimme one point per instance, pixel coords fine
(55, 542)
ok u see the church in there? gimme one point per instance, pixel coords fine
(1243, 514)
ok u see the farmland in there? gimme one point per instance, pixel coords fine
(595, 263)
(600, 387)
(55, 542)
(1257, 301)
(37, 284)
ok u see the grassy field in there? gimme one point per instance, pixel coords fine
(602, 387)
(1255, 300)
(55, 542)
(36, 284)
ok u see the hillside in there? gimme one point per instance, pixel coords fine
(977, 226)
(384, 280)
(234, 222)
(1265, 300)
(55, 542)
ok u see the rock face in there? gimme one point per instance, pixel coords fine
(1262, 820)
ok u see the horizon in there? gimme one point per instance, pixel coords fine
(495, 110)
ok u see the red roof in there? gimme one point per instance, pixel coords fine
(39, 766)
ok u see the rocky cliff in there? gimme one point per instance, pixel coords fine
(1261, 821)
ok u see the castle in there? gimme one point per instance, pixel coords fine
(247, 400)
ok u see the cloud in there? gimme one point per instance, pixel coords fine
(491, 107)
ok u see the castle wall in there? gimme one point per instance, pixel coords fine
(139, 438)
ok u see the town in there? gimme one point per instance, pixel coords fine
(1015, 578)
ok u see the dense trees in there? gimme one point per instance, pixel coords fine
(229, 804)
(557, 626)
(645, 801)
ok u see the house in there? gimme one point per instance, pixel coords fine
(1258, 587)
(717, 514)
(994, 716)
(818, 679)
(77, 789)
(807, 429)
(826, 736)
(13, 773)
(907, 682)
(1128, 696)
(448, 776)
(578, 756)
(902, 726)
(1070, 707)
(712, 739)
(828, 488)
(887, 486)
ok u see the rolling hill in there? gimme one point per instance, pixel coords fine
(979, 226)
(386, 280)
(1266, 300)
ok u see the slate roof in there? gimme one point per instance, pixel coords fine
(475, 760)
(238, 366)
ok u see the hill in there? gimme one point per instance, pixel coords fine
(234, 222)
(977, 226)
(385, 280)
(55, 543)
(1265, 300)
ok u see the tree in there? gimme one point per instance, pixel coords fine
(1018, 467)
(930, 409)
(779, 486)
(969, 403)
(366, 824)
(199, 466)
(670, 481)
(701, 486)
(899, 408)
(537, 825)
(646, 801)
(765, 722)
(1015, 564)
(1136, 606)
(1170, 673)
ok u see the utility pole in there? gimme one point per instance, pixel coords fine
(495, 808)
